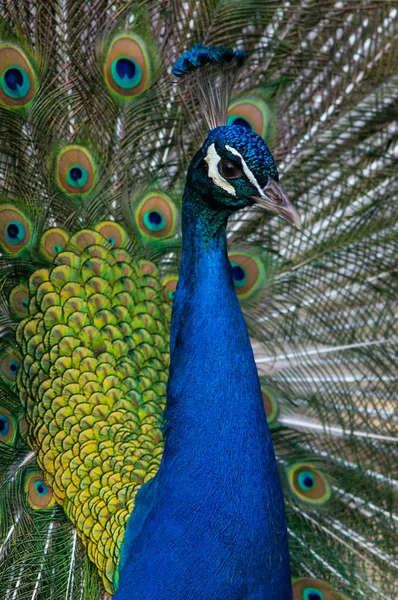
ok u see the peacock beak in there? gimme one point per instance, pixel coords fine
(274, 199)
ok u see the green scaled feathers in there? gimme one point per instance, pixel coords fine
(95, 347)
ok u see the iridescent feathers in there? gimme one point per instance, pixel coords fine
(199, 56)
(156, 216)
(313, 589)
(309, 484)
(75, 171)
(89, 113)
(127, 67)
(18, 83)
(93, 385)
(251, 112)
(15, 229)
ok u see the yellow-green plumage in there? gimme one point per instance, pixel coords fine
(93, 381)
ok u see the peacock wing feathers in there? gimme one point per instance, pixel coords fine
(94, 141)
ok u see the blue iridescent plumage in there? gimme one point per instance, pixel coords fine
(201, 55)
(216, 502)
(256, 151)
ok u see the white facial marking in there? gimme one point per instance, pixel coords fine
(246, 170)
(212, 159)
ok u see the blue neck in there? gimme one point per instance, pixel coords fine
(211, 362)
(212, 520)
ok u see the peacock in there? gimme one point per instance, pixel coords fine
(121, 125)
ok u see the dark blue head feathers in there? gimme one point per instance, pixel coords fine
(252, 146)
(201, 55)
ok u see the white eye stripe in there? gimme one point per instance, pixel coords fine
(246, 170)
(212, 159)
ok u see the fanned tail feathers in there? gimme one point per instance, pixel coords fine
(94, 141)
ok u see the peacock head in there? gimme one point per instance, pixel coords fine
(234, 168)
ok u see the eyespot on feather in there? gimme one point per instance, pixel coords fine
(15, 229)
(169, 288)
(113, 233)
(148, 268)
(19, 300)
(270, 405)
(250, 112)
(248, 273)
(9, 366)
(8, 427)
(127, 68)
(156, 216)
(75, 171)
(39, 494)
(308, 484)
(314, 589)
(53, 241)
(17, 79)
(85, 238)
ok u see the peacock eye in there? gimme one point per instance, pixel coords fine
(229, 170)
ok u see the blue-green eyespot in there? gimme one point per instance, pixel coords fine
(75, 171)
(8, 427)
(156, 216)
(248, 273)
(251, 112)
(305, 588)
(308, 483)
(39, 495)
(169, 288)
(9, 366)
(53, 242)
(17, 78)
(15, 229)
(127, 68)
(126, 72)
